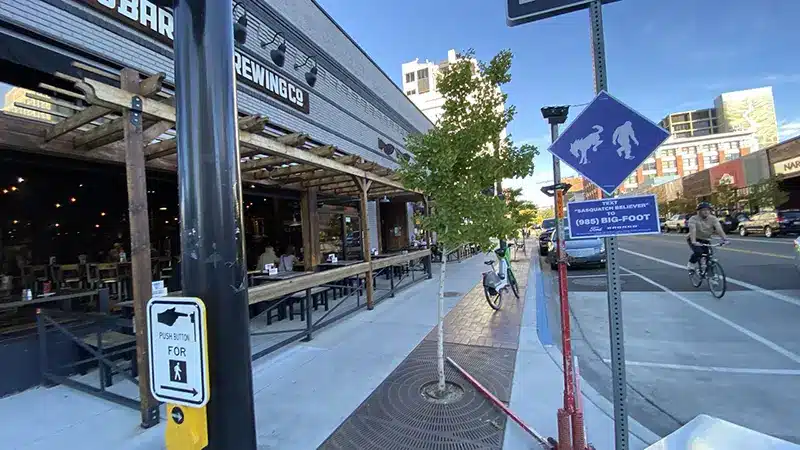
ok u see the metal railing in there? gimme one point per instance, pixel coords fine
(340, 292)
(52, 331)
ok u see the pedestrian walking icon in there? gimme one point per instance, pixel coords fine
(177, 371)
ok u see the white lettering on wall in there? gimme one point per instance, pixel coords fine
(165, 23)
(282, 93)
(148, 15)
(129, 9)
(108, 3)
(247, 69)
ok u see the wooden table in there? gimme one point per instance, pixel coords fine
(64, 297)
(349, 262)
(280, 276)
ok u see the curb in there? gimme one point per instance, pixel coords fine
(592, 395)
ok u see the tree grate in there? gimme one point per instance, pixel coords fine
(397, 416)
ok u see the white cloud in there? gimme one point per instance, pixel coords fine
(788, 129)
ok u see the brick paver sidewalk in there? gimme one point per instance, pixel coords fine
(485, 343)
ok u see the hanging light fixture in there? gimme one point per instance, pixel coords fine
(240, 25)
(385, 199)
(295, 222)
(311, 75)
(278, 54)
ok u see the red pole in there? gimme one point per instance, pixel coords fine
(496, 401)
(566, 338)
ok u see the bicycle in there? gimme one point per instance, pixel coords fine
(494, 283)
(710, 269)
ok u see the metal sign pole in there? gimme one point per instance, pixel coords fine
(613, 280)
(210, 193)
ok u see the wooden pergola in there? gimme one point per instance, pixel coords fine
(130, 118)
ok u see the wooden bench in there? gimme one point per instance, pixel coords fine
(110, 342)
(319, 296)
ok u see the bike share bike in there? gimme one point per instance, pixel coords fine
(710, 269)
(494, 283)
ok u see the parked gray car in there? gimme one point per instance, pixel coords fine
(581, 252)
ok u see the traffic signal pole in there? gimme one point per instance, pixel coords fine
(210, 193)
(613, 279)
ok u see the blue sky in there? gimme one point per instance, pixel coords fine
(663, 56)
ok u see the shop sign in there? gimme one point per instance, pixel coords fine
(787, 167)
(731, 172)
(158, 23)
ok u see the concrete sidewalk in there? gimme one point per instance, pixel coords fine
(302, 392)
(539, 384)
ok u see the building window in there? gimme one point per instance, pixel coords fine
(680, 117)
(411, 92)
(703, 132)
(423, 83)
(410, 77)
(701, 114)
(735, 145)
(681, 127)
(668, 164)
(649, 166)
(685, 134)
(631, 179)
(690, 162)
(731, 156)
(668, 152)
(702, 124)
(711, 160)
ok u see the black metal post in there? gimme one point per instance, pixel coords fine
(309, 323)
(41, 327)
(212, 236)
(391, 280)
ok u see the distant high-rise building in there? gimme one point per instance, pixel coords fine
(18, 102)
(701, 122)
(420, 85)
(749, 110)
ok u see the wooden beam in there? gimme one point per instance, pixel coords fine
(111, 127)
(160, 149)
(58, 90)
(364, 186)
(249, 166)
(293, 139)
(342, 185)
(95, 70)
(95, 111)
(310, 222)
(255, 125)
(104, 95)
(54, 101)
(140, 244)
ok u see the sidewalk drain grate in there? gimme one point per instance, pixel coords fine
(453, 294)
(396, 416)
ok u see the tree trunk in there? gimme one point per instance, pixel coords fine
(440, 330)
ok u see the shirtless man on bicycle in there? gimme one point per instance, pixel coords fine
(702, 226)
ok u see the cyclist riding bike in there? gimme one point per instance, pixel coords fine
(702, 226)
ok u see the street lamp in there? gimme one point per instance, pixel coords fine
(278, 54)
(311, 75)
(240, 25)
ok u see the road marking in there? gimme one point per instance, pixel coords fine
(600, 275)
(731, 249)
(787, 353)
(781, 241)
(752, 287)
(739, 370)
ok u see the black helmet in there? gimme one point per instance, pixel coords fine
(703, 205)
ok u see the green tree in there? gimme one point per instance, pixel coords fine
(726, 196)
(457, 160)
(523, 213)
(768, 193)
(547, 213)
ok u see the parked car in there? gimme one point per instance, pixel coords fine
(662, 221)
(581, 252)
(772, 223)
(730, 220)
(678, 223)
(548, 226)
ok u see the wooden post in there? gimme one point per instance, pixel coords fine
(364, 186)
(140, 238)
(310, 221)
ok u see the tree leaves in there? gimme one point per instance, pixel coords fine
(466, 153)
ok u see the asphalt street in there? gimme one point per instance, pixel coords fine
(688, 353)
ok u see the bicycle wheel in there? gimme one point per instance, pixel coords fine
(512, 280)
(717, 283)
(493, 300)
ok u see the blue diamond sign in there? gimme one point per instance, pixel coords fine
(607, 142)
